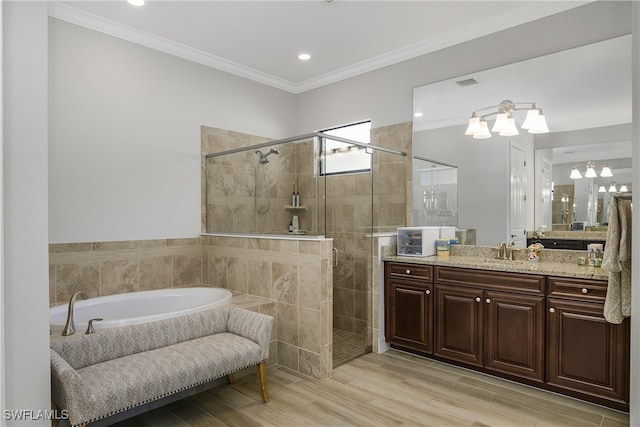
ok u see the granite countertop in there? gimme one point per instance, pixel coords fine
(545, 268)
(553, 262)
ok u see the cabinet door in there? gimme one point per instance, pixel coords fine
(514, 340)
(585, 353)
(458, 324)
(409, 315)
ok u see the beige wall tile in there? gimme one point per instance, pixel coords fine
(259, 278)
(288, 355)
(108, 246)
(77, 277)
(285, 282)
(145, 244)
(69, 247)
(187, 270)
(310, 330)
(155, 273)
(237, 274)
(217, 271)
(310, 363)
(288, 323)
(117, 277)
(311, 287)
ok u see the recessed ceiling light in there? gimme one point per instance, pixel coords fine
(417, 114)
(304, 56)
(136, 2)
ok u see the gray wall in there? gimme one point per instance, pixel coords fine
(125, 135)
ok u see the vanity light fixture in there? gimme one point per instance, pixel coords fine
(505, 124)
(623, 188)
(612, 188)
(602, 189)
(591, 172)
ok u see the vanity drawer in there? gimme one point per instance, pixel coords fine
(414, 271)
(497, 280)
(588, 290)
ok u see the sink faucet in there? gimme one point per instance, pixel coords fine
(511, 249)
(69, 327)
(502, 251)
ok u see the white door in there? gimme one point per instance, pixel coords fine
(517, 197)
(547, 190)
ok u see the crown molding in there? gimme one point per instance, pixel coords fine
(497, 23)
(75, 16)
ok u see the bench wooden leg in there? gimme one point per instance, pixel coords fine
(262, 374)
(231, 378)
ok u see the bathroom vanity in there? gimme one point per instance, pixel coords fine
(541, 325)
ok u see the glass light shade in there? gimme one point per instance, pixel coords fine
(483, 132)
(591, 172)
(501, 123)
(623, 188)
(540, 125)
(575, 174)
(531, 119)
(606, 172)
(510, 129)
(474, 125)
(601, 189)
(612, 188)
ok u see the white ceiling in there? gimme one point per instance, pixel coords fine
(260, 40)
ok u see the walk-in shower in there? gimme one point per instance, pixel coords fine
(347, 206)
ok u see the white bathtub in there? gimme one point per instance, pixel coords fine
(138, 307)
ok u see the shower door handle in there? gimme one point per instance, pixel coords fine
(335, 257)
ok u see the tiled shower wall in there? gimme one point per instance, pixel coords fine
(231, 181)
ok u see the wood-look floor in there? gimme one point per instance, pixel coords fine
(387, 389)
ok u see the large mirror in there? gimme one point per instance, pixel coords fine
(510, 184)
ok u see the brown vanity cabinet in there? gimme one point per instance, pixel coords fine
(409, 307)
(548, 332)
(586, 356)
(492, 320)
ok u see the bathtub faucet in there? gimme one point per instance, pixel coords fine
(69, 327)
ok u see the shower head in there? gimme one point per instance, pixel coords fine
(264, 158)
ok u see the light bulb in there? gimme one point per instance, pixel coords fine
(575, 174)
(474, 125)
(483, 131)
(606, 172)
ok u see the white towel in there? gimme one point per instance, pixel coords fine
(617, 261)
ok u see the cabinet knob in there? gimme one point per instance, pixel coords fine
(488, 300)
(428, 292)
(552, 310)
(477, 299)
(408, 271)
(585, 290)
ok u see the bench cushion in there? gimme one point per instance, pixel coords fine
(120, 384)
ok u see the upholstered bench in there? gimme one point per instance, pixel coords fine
(120, 372)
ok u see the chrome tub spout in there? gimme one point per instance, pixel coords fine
(69, 327)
